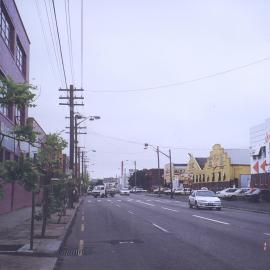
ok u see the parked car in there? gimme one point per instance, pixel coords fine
(166, 190)
(257, 195)
(187, 191)
(204, 199)
(226, 193)
(124, 191)
(237, 194)
(179, 191)
(89, 190)
(103, 191)
(137, 190)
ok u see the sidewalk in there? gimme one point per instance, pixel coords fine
(15, 235)
(262, 207)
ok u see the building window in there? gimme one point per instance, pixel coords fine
(6, 27)
(224, 177)
(196, 178)
(208, 179)
(3, 108)
(219, 176)
(18, 115)
(20, 57)
(7, 155)
(213, 177)
(203, 178)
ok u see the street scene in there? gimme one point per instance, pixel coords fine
(134, 135)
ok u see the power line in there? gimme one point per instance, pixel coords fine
(45, 39)
(81, 43)
(256, 62)
(69, 36)
(53, 40)
(59, 42)
(143, 143)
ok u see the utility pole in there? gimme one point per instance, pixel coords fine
(70, 102)
(135, 164)
(170, 157)
(159, 178)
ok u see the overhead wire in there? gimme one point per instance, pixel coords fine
(59, 42)
(201, 78)
(52, 35)
(46, 41)
(82, 39)
(69, 36)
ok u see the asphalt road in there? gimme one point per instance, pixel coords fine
(140, 232)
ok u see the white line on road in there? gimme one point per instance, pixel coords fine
(267, 234)
(99, 200)
(118, 205)
(148, 200)
(162, 229)
(119, 200)
(108, 200)
(169, 209)
(150, 204)
(131, 212)
(129, 200)
(89, 201)
(214, 220)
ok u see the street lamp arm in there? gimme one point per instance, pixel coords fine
(157, 150)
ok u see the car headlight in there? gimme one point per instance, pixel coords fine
(201, 201)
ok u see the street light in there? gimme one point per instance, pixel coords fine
(156, 149)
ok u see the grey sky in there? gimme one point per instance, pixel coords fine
(139, 44)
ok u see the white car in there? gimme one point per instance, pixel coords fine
(204, 199)
(124, 191)
(226, 193)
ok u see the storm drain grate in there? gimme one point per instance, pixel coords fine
(74, 252)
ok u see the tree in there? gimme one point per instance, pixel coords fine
(142, 180)
(48, 160)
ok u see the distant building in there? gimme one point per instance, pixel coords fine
(260, 155)
(223, 168)
(153, 178)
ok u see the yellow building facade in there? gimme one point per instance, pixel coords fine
(223, 168)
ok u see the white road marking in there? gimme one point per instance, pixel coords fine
(108, 200)
(99, 200)
(81, 246)
(150, 204)
(162, 229)
(148, 200)
(88, 201)
(129, 200)
(214, 220)
(267, 234)
(169, 209)
(126, 242)
(131, 212)
(118, 205)
(82, 227)
(119, 200)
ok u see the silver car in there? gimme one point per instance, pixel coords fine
(204, 199)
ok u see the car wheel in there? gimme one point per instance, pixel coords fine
(196, 205)
(190, 205)
(219, 208)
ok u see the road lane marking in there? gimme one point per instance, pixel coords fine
(82, 227)
(126, 242)
(169, 209)
(148, 200)
(89, 201)
(82, 218)
(118, 205)
(119, 200)
(160, 228)
(150, 204)
(129, 200)
(81, 245)
(214, 220)
(267, 234)
(131, 212)
(108, 200)
(99, 200)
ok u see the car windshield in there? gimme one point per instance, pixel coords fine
(205, 193)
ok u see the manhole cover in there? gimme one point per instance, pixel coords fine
(74, 252)
(10, 247)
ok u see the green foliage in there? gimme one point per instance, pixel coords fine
(24, 171)
(57, 198)
(25, 133)
(48, 157)
(1, 191)
(16, 93)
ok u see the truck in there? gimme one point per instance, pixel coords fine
(103, 191)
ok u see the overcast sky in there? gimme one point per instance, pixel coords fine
(147, 43)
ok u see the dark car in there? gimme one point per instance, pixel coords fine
(257, 195)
